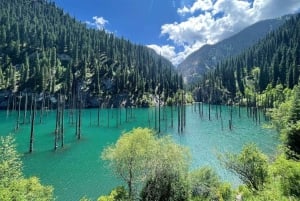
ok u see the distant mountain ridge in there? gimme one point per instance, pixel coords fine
(208, 56)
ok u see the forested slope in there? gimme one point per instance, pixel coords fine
(43, 49)
(208, 56)
(273, 61)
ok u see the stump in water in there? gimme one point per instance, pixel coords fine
(57, 124)
(230, 121)
(42, 108)
(108, 116)
(8, 107)
(155, 118)
(230, 124)
(79, 120)
(172, 123)
(179, 121)
(209, 111)
(159, 113)
(14, 102)
(98, 114)
(182, 124)
(25, 108)
(62, 121)
(32, 125)
(19, 111)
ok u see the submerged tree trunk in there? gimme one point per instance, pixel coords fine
(172, 116)
(230, 121)
(14, 102)
(25, 108)
(62, 122)
(42, 109)
(32, 126)
(79, 120)
(159, 113)
(8, 106)
(155, 118)
(108, 116)
(178, 114)
(98, 114)
(57, 124)
(19, 111)
(182, 113)
(209, 111)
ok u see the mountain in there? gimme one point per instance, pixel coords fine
(208, 56)
(259, 73)
(44, 49)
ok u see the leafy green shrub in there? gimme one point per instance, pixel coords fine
(250, 165)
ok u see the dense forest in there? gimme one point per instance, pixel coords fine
(273, 61)
(44, 50)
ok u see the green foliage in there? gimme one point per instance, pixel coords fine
(294, 113)
(10, 161)
(288, 172)
(281, 182)
(286, 119)
(224, 192)
(189, 97)
(205, 184)
(129, 157)
(139, 156)
(271, 192)
(27, 189)
(272, 62)
(12, 184)
(250, 165)
(117, 194)
(279, 114)
(283, 179)
(165, 186)
(85, 199)
(291, 139)
(169, 168)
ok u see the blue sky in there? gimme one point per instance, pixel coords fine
(137, 20)
(175, 28)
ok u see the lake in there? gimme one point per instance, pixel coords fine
(77, 170)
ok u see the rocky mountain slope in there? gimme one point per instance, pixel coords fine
(208, 56)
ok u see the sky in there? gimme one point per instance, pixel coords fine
(175, 28)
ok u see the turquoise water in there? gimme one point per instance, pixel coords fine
(77, 170)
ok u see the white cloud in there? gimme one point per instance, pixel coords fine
(169, 52)
(99, 22)
(203, 5)
(166, 50)
(210, 21)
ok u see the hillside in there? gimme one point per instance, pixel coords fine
(43, 49)
(208, 56)
(273, 62)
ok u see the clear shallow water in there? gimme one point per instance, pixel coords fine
(77, 170)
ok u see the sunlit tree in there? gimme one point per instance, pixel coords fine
(13, 185)
(250, 165)
(139, 156)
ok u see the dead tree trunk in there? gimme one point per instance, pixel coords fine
(57, 124)
(62, 122)
(32, 125)
(25, 108)
(19, 111)
(8, 106)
